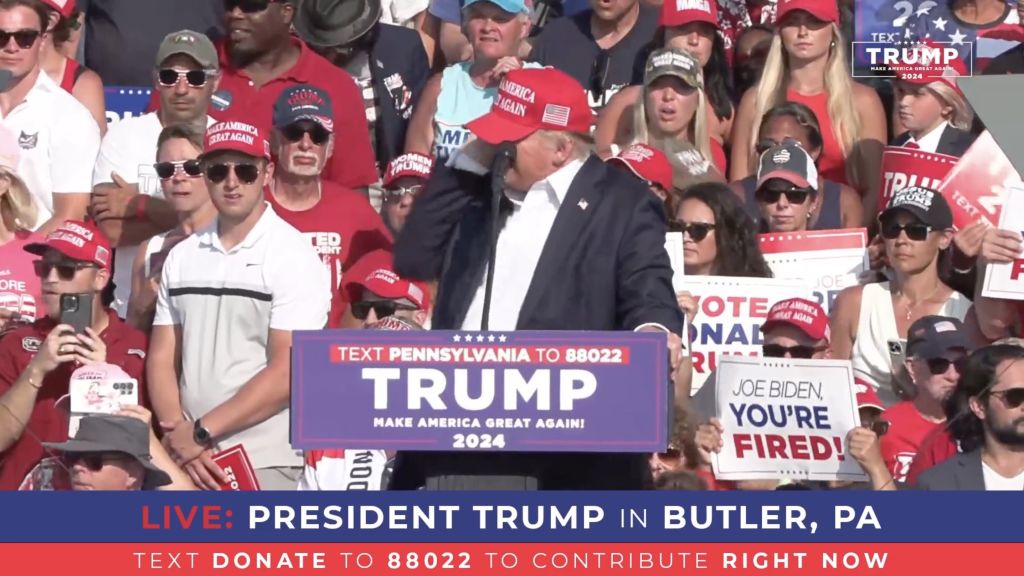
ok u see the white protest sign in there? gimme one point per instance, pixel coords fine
(1006, 281)
(785, 419)
(730, 311)
(826, 260)
(674, 247)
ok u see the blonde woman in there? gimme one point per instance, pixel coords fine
(20, 288)
(671, 108)
(934, 113)
(807, 63)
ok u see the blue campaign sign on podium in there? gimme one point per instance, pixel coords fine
(464, 391)
(125, 102)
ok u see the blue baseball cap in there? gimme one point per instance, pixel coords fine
(304, 102)
(510, 6)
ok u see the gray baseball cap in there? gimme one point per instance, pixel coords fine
(192, 44)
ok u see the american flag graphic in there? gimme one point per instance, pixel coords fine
(555, 114)
(934, 20)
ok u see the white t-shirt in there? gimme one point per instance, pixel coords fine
(226, 302)
(59, 140)
(996, 482)
(129, 148)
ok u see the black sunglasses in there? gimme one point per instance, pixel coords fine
(398, 192)
(23, 38)
(94, 461)
(915, 230)
(247, 173)
(247, 6)
(65, 270)
(765, 143)
(793, 196)
(381, 308)
(1012, 398)
(295, 132)
(166, 170)
(196, 78)
(939, 365)
(697, 231)
(880, 427)
(780, 351)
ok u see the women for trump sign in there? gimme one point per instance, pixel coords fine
(785, 418)
(465, 391)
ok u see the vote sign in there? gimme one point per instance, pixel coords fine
(472, 391)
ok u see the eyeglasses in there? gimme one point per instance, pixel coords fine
(939, 365)
(65, 270)
(23, 38)
(381, 308)
(247, 6)
(196, 78)
(247, 173)
(94, 461)
(1012, 398)
(915, 230)
(317, 133)
(671, 458)
(793, 196)
(398, 192)
(780, 351)
(697, 231)
(166, 170)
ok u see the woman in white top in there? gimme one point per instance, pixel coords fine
(177, 165)
(870, 322)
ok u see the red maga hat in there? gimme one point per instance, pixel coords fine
(804, 315)
(824, 10)
(534, 99)
(648, 163)
(682, 12)
(76, 240)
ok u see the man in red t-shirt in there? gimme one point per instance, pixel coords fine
(937, 346)
(36, 361)
(340, 223)
(260, 58)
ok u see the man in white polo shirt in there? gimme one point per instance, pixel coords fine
(127, 200)
(230, 297)
(58, 137)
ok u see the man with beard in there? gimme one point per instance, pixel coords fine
(936, 349)
(339, 223)
(990, 429)
(260, 59)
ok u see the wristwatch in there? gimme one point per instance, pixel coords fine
(200, 434)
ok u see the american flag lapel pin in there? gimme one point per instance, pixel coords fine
(583, 204)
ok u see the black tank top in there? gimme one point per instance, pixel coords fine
(829, 217)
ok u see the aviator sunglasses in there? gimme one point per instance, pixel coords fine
(247, 173)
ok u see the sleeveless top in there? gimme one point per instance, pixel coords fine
(829, 214)
(72, 72)
(460, 101)
(831, 163)
(876, 327)
(718, 157)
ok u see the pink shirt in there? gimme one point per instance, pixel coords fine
(20, 288)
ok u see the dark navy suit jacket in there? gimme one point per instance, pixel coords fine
(399, 67)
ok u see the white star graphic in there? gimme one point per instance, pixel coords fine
(907, 33)
(924, 8)
(490, 338)
(958, 38)
(468, 337)
(456, 338)
(940, 23)
(501, 338)
(480, 338)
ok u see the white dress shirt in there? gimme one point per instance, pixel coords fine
(520, 244)
(930, 141)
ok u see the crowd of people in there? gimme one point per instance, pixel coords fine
(324, 163)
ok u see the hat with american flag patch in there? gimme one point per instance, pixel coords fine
(534, 99)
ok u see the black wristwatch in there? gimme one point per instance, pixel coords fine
(200, 434)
